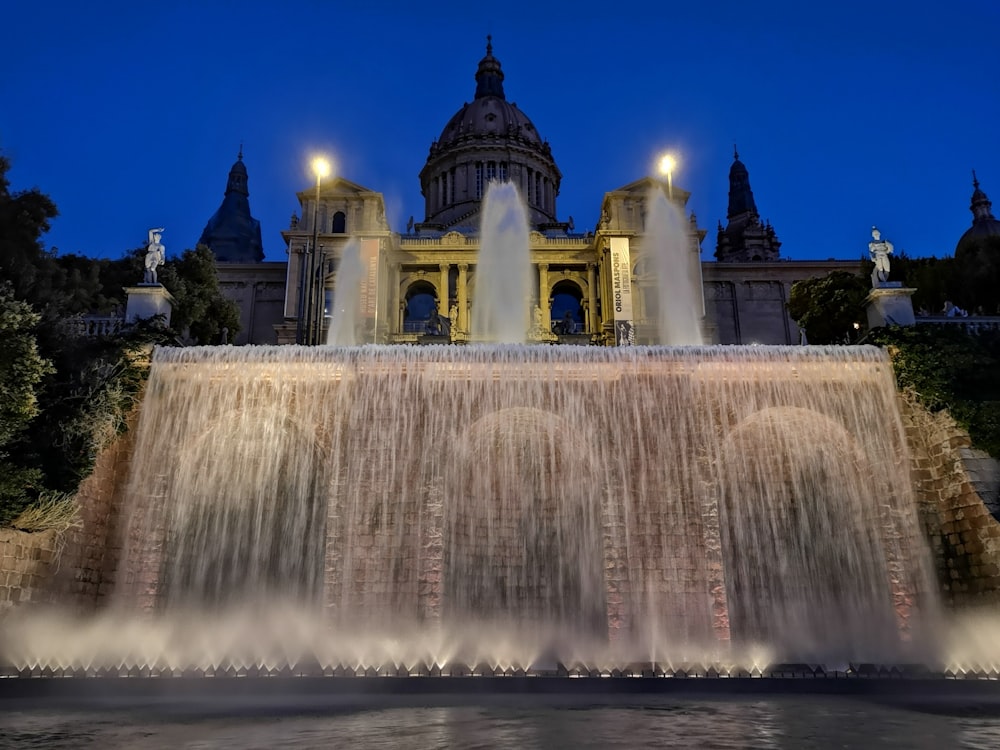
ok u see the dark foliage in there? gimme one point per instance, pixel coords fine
(951, 369)
(828, 307)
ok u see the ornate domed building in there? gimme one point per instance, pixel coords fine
(488, 139)
(984, 234)
(418, 285)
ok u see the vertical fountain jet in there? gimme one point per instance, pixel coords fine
(346, 298)
(500, 307)
(666, 244)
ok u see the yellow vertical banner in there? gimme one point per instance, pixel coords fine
(621, 291)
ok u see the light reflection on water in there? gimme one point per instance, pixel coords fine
(543, 723)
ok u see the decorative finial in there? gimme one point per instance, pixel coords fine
(736, 154)
(489, 44)
(975, 180)
(239, 156)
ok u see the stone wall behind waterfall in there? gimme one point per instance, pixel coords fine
(964, 536)
(75, 568)
(26, 566)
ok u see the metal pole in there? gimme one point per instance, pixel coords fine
(320, 309)
(300, 324)
(312, 267)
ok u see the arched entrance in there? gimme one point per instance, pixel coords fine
(567, 308)
(420, 311)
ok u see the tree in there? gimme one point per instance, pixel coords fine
(949, 368)
(24, 262)
(828, 307)
(22, 369)
(199, 306)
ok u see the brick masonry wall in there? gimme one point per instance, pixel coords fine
(964, 536)
(75, 568)
(27, 563)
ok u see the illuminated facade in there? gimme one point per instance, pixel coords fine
(422, 281)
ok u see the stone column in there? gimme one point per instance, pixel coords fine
(463, 301)
(543, 290)
(394, 300)
(443, 301)
(592, 298)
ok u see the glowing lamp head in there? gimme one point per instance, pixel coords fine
(321, 167)
(667, 164)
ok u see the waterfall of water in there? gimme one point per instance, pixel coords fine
(500, 306)
(505, 505)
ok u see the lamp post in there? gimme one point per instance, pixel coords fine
(667, 165)
(300, 322)
(321, 167)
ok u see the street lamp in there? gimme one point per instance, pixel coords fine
(321, 168)
(667, 165)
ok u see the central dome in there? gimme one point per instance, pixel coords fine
(492, 116)
(488, 139)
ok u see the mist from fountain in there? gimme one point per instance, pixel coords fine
(500, 306)
(344, 321)
(667, 246)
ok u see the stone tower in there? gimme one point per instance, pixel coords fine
(744, 238)
(232, 233)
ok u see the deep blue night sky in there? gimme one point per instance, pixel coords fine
(129, 115)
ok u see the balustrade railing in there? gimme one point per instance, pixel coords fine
(93, 326)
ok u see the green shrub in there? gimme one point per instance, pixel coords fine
(951, 369)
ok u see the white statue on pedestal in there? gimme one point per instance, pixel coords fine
(879, 251)
(155, 255)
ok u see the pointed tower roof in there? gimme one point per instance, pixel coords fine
(232, 233)
(740, 194)
(745, 238)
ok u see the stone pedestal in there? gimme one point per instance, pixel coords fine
(147, 300)
(889, 304)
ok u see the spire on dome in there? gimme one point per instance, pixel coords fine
(981, 206)
(238, 176)
(489, 77)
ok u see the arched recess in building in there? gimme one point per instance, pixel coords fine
(567, 308)
(421, 309)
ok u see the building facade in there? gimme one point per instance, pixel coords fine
(420, 284)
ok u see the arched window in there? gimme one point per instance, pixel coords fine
(339, 223)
